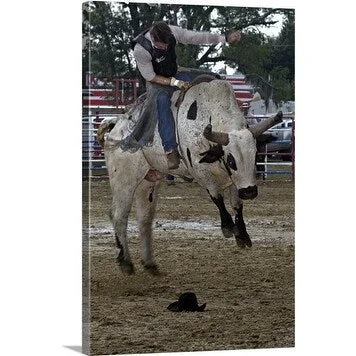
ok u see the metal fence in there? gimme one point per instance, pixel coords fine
(93, 160)
(270, 160)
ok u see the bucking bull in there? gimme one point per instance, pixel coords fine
(218, 151)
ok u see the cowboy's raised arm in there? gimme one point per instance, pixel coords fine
(204, 38)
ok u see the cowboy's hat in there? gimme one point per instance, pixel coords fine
(186, 302)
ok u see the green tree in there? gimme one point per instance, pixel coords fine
(108, 29)
(267, 62)
(282, 67)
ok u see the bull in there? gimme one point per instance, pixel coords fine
(218, 151)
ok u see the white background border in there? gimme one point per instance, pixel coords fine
(41, 198)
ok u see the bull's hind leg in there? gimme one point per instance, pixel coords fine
(119, 213)
(146, 196)
(126, 171)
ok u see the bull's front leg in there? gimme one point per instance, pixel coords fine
(241, 235)
(228, 227)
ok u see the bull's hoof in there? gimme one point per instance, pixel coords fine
(240, 243)
(151, 268)
(248, 242)
(126, 267)
(243, 241)
(227, 232)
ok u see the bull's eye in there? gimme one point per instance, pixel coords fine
(231, 162)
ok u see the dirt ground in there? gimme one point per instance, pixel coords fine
(249, 292)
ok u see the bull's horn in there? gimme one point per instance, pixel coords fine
(218, 137)
(266, 124)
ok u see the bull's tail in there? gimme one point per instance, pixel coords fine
(105, 127)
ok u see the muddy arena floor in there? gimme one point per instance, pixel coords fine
(249, 292)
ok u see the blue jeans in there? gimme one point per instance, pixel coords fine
(166, 124)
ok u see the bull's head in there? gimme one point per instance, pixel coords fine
(240, 152)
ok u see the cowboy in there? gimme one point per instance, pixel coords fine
(154, 51)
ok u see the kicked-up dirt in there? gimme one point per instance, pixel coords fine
(249, 292)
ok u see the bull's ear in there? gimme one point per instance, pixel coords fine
(212, 155)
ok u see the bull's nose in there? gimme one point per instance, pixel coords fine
(248, 193)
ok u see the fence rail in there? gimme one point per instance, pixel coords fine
(268, 163)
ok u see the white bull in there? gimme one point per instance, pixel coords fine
(218, 151)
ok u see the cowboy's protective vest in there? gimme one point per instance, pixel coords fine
(164, 62)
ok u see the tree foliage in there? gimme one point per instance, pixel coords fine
(108, 29)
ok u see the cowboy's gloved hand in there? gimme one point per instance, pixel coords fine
(233, 37)
(183, 85)
(179, 83)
